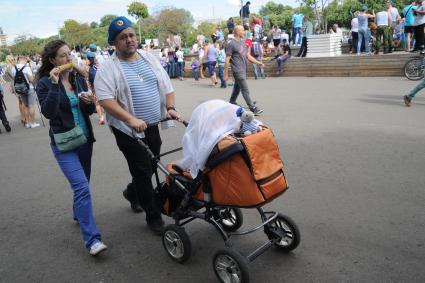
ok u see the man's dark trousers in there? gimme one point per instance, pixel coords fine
(141, 168)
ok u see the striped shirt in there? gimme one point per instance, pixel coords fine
(144, 90)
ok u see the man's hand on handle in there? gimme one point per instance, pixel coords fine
(137, 124)
(173, 114)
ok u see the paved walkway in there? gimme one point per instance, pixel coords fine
(354, 158)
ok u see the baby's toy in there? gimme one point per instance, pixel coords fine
(248, 124)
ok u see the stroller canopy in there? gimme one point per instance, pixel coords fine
(210, 122)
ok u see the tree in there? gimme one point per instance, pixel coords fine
(278, 14)
(341, 12)
(106, 20)
(75, 33)
(206, 28)
(138, 10)
(94, 25)
(172, 20)
(28, 46)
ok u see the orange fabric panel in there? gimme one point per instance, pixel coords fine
(274, 188)
(232, 184)
(263, 153)
(226, 142)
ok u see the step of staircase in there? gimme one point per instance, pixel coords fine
(381, 65)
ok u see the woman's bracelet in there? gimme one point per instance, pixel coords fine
(171, 108)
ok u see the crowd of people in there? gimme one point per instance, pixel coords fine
(389, 29)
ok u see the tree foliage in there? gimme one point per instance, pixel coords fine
(341, 12)
(75, 33)
(138, 10)
(106, 20)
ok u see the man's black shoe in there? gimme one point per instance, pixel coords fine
(135, 206)
(156, 226)
(7, 127)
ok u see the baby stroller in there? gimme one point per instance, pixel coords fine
(241, 172)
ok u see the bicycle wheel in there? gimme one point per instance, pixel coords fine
(414, 69)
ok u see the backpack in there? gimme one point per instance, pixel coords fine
(20, 82)
(256, 49)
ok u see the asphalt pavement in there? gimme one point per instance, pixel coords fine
(354, 159)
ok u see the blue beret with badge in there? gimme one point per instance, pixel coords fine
(117, 25)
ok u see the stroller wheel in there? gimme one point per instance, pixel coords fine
(230, 266)
(230, 218)
(177, 243)
(287, 231)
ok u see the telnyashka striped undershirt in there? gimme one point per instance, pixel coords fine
(144, 89)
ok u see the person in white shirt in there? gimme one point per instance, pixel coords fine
(276, 36)
(354, 33)
(30, 98)
(383, 22)
(195, 48)
(180, 62)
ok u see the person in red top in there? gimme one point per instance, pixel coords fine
(248, 40)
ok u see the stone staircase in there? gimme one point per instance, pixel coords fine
(383, 65)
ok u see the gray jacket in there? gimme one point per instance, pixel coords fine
(110, 83)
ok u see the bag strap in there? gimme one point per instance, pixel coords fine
(411, 6)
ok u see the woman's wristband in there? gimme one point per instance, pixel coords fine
(171, 108)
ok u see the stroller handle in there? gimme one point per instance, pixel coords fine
(165, 120)
(144, 145)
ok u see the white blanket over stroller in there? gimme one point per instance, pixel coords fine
(210, 122)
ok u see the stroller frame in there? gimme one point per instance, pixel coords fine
(280, 229)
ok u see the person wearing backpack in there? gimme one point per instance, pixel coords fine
(8, 88)
(257, 52)
(22, 83)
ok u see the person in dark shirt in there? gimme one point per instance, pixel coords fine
(230, 25)
(283, 55)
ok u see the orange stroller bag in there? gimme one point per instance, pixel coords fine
(251, 176)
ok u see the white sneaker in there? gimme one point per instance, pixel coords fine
(27, 126)
(35, 125)
(97, 248)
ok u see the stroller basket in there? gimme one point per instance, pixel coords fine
(240, 172)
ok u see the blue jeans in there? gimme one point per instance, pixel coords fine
(211, 68)
(180, 66)
(363, 35)
(76, 166)
(281, 61)
(196, 74)
(221, 75)
(417, 88)
(255, 66)
(297, 31)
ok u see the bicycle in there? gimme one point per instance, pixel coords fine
(414, 68)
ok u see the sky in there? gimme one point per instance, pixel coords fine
(43, 18)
